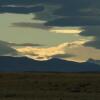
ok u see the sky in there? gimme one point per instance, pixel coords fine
(45, 29)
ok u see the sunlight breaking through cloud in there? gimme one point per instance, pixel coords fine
(47, 53)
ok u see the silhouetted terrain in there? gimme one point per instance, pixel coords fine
(94, 61)
(24, 64)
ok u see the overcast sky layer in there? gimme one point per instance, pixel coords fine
(43, 29)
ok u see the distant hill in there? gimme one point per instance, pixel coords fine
(24, 64)
(94, 61)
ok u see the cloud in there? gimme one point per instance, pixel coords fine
(75, 21)
(30, 25)
(66, 30)
(20, 9)
(72, 51)
(63, 30)
(10, 44)
(24, 44)
(70, 13)
(78, 8)
(93, 31)
(57, 12)
(19, 2)
(47, 13)
(46, 53)
(83, 53)
(6, 49)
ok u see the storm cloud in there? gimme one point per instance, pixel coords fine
(75, 21)
(57, 12)
(20, 9)
(93, 31)
(71, 13)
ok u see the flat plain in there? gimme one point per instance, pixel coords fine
(49, 86)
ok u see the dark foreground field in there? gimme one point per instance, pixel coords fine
(49, 86)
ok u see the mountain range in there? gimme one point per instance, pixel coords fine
(24, 64)
(94, 61)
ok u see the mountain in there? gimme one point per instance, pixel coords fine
(24, 64)
(94, 61)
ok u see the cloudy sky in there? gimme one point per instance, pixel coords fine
(43, 29)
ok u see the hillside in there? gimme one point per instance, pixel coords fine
(24, 64)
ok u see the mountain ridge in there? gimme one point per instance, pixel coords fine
(24, 64)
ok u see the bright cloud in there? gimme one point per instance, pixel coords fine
(67, 30)
(47, 53)
(83, 53)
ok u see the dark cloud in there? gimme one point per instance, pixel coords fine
(69, 12)
(93, 31)
(75, 21)
(47, 13)
(78, 8)
(5, 49)
(19, 2)
(28, 2)
(30, 25)
(22, 10)
(24, 44)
